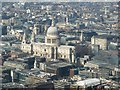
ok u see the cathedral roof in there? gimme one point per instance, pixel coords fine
(52, 30)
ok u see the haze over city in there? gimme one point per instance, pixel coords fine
(51, 45)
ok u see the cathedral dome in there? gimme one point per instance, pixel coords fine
(52, 35)
(52, 31)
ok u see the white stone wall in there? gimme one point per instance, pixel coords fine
(67, 53)
(26, 48)
(44, 50)
(103, 43)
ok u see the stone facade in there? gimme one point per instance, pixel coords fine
(51, 49)
(102, 42)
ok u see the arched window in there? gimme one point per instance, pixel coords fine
(64, 56)
(44, 49)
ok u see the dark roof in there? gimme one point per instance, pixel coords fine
(58, 64)
(108, 37)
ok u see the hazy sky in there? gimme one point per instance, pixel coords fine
(60, 0)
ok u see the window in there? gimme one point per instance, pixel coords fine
(53, 40)
(48, 41)
(44, 49)
(64, 56)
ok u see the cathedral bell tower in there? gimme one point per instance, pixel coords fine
(24, 38)
(33, 37)
(81, 36)
(36, 28)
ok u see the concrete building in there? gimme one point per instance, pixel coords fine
(4, 30)
(14, 64)
(59, 68)
(101, 41)
(87, 84)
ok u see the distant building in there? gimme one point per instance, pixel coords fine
(42, 85)
(14, 64)
(4, 30)
(8, 38)
(6, 72)
(116, 72)
(0, 30)
(95, 49)
(58, 68)
(10, 85)
(21, 63)
(88, 84)
(101, 41)
(19, 34)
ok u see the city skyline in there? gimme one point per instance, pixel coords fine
(60, 1)
(51, 45)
